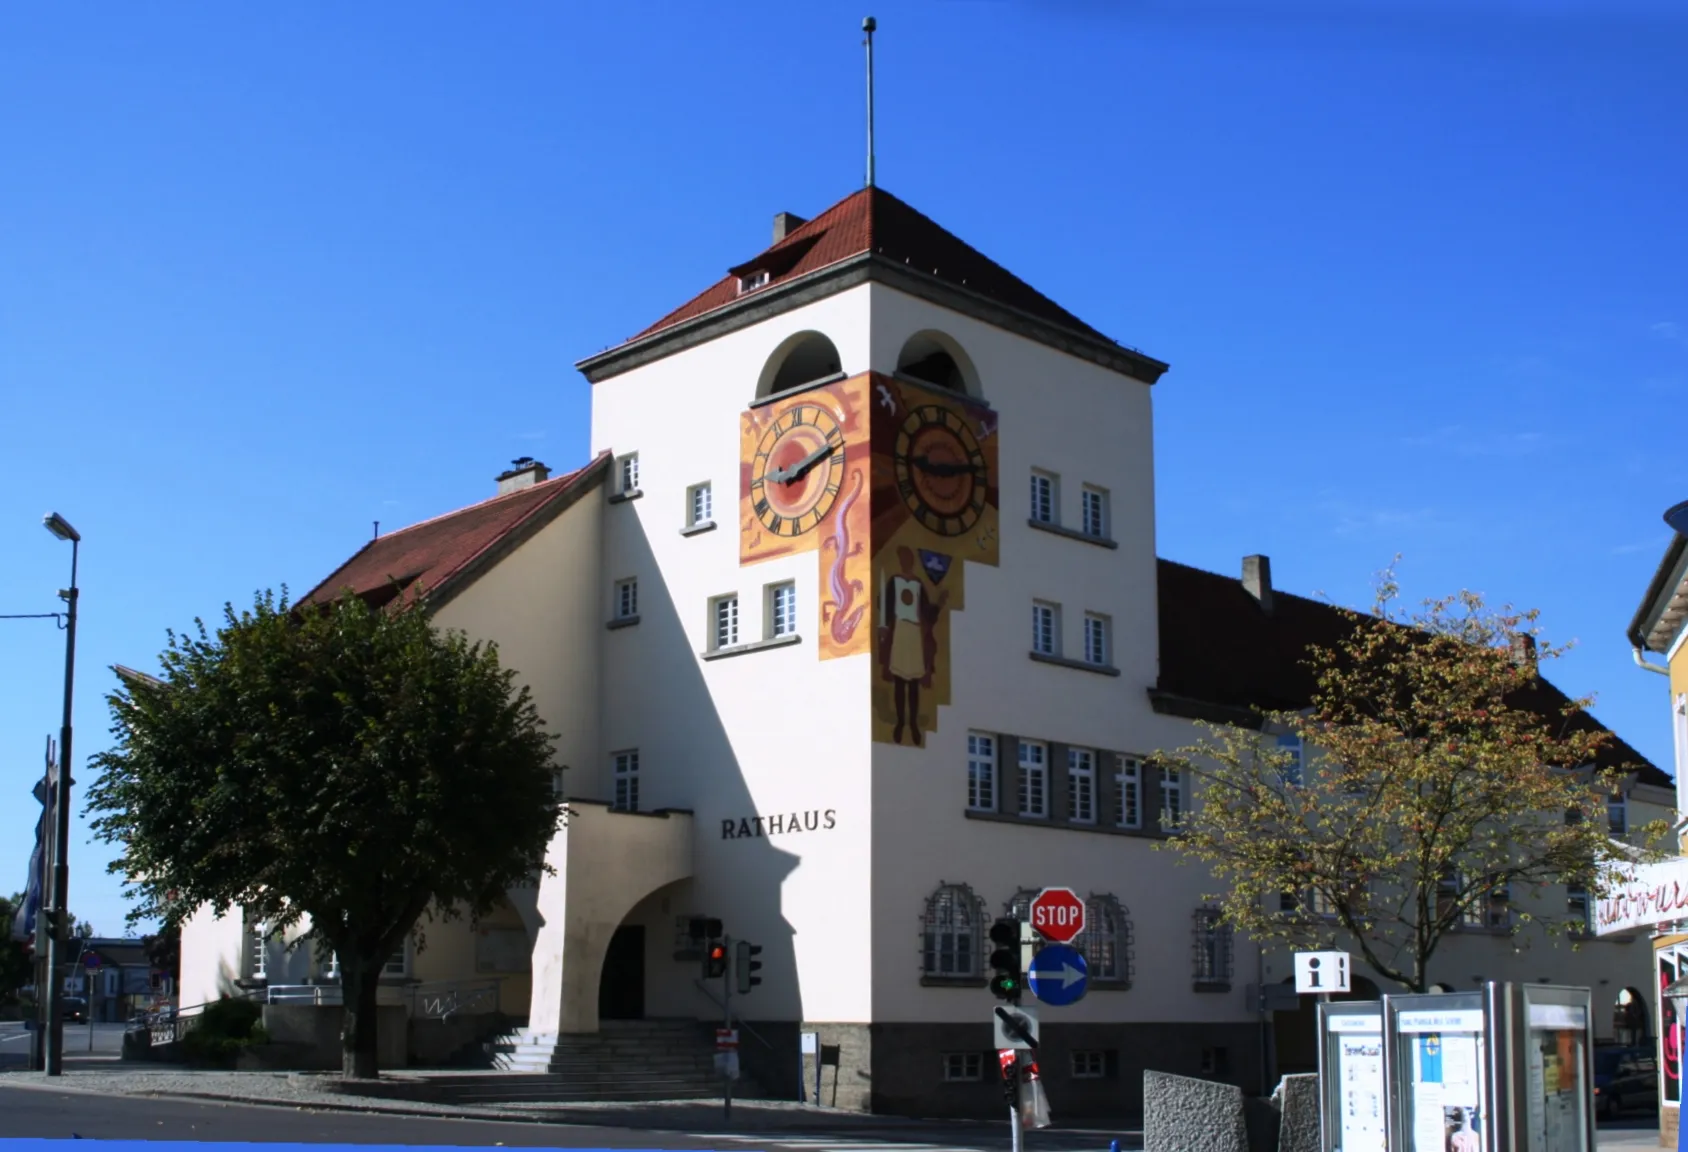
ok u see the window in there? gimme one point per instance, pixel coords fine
(1211, 947)
(1094, 513)
(1173, 801)
(1106, 939)
(1046, 629)
(951, 932)
(1216, 1061)
(1089, 1064)
(260, 952)
(963, 1065)
(1096, 646)
(700, 504)
(981, 772)
(626, 781)
(751, 281)
(1043, 498)
(782, 610)
(1578, 908)
(723, 616)
(1019, 906)
(1617, 814)
(1128, 793)
(626, 599)
(1034, 779)
(1289, 771)
(629, 472)
(557, 782)
(396, 964)
(1081, 785)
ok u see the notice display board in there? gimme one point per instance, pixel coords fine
(1351, 1077)
(1440, 1060)
(1557, 1059)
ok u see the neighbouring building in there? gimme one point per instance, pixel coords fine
(854, 635)
(116, 976)
(1655, 896)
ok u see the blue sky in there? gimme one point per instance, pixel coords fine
(273, 274)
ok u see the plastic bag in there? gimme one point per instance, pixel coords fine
(1034, 1105)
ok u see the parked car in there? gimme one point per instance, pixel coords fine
(74, 1009)
(1625, 1079)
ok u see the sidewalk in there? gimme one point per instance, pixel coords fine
(307, 1090)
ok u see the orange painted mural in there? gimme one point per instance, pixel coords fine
(803, 480)
(935, 507)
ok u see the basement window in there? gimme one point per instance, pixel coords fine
(751, 281)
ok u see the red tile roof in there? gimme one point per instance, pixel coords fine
(435, 552)
(1218, 647)
(873, 220)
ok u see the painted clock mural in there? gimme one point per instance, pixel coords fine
(894, 485)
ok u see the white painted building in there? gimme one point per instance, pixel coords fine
(854, 635)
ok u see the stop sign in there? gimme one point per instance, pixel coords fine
(1058, 914)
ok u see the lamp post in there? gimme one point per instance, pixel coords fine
(58, 899)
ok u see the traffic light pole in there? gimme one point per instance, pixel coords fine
(727, 1008)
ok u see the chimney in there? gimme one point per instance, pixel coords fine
(1257, 579)
(523, 473)
(785, 224)
(1524, 650)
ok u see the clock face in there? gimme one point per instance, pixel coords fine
(795, 475)
(941, 473)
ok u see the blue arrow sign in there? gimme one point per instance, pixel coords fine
(1058, 975)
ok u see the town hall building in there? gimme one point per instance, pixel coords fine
(853, 635)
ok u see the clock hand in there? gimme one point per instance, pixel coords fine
(934, 468)
(799, 469)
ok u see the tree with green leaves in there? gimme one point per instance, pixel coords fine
(343, 765)
(1442, 777)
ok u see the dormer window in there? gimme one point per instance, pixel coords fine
(753, 280)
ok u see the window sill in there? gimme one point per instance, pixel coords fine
(1106, 986)
(624, 497)
(1066, 825)
(1211, 986)
(1073, 534)
(952, 981)
(1077, 665)
(623, 622)
(699, 528)
(753, 646)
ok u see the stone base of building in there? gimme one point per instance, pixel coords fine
(1669, 1120)
(1088, 1070)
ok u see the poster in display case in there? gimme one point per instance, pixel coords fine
(1438, 1053)
(1351, 1085)
(1556, 1081)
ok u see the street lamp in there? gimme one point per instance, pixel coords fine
(59, 898)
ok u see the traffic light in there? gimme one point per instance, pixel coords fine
(1008, 982)
(746, 965)
(714, 951)
(53, 922)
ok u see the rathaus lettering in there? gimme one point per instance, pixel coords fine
(812, 820)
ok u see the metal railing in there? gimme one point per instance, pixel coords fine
(446, 998)
(317, 995)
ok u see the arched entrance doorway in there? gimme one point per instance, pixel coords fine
(1295, 1037)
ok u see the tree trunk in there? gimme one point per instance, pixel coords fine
(358, 984)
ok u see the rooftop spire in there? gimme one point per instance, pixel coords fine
(868, 26)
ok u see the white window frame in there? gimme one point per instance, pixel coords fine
(776, 626)
(260, 952)
(1081, 786)
(724, 622)
(1578, 903)
(398, 964)
(1098, 639)
(1045, 493)
(1106, 938)
(1174, 799)
(981, 772)
(757, 279)
(963, 1066)
(1679, 729)
(1046, 628)
(1617, 814)
(627, 474)
(1089, 1064)
(1093, 512)
(624, 780)
(700, 504)
(627, 598)
(952, 933)
(1033, 759)
(1214, 952)
(1128, 782)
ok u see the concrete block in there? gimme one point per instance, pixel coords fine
(1297, 1098)
(1181, 1114)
